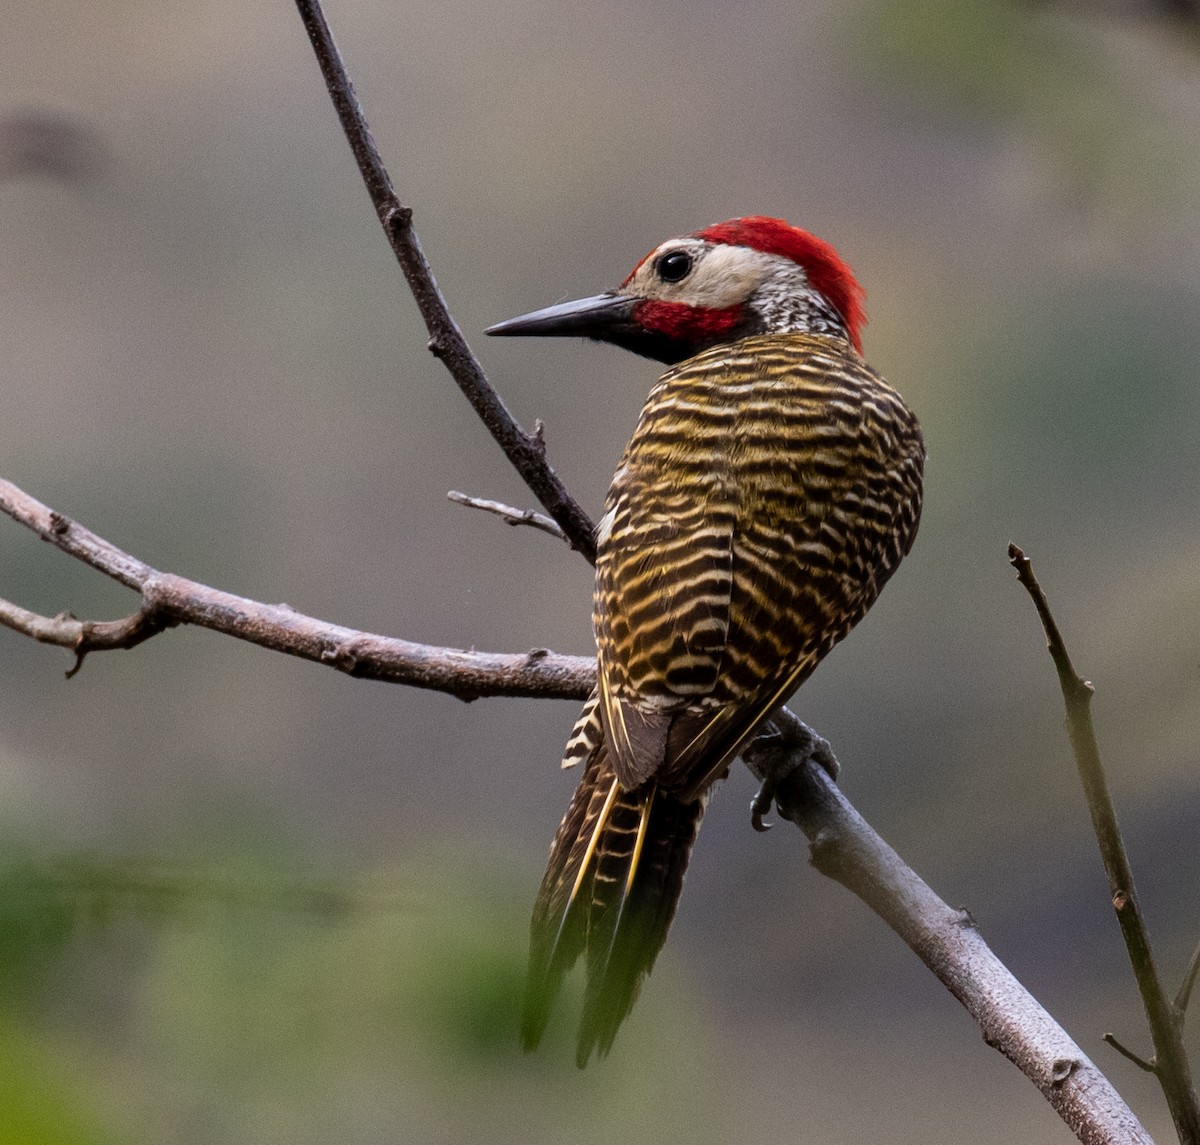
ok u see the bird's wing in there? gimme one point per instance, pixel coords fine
(769, 491)
(664, 584)
(664, 588)
(829, 479)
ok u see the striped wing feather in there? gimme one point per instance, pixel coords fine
(769, 491)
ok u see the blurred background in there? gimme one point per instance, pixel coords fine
(247, 899)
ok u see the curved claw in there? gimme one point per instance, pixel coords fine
(760, 805)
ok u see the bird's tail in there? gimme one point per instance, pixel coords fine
(614, 878)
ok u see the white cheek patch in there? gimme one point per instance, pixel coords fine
(726, 276)
(723, 276)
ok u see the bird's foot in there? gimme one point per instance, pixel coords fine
(786, 744)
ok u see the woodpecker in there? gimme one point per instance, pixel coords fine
(770, 489)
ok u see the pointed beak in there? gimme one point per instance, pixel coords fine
(595, 317)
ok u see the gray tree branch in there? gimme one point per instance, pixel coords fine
(844, 846)
(847, 849)
(168, 600)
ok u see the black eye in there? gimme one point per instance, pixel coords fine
(674, 266)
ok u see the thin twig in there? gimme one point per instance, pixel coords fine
(168, 600)
(1126, 1052)
(84, 636)
(1170, 1059)
(509, 514)
(1185, 987)
(526, 451)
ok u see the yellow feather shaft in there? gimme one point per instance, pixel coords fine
(639, 842)
(601, 820)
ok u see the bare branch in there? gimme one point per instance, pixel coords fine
(72, 538)
(83, 636)
(847, 849)
(1126, 1052)
(510, 515)
(169, 600)
(527, 452)
(1170, 1060)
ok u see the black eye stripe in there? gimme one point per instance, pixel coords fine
(674, 266)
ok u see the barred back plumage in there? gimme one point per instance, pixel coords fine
(771, 488)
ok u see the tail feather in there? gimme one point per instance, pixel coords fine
(615, 875)
(558, 929)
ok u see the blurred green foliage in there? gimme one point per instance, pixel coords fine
(1034, 68)
(38, 916)
(251, 1004)
(42, 1098)
(982, 55)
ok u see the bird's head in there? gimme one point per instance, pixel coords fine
(746, 276)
